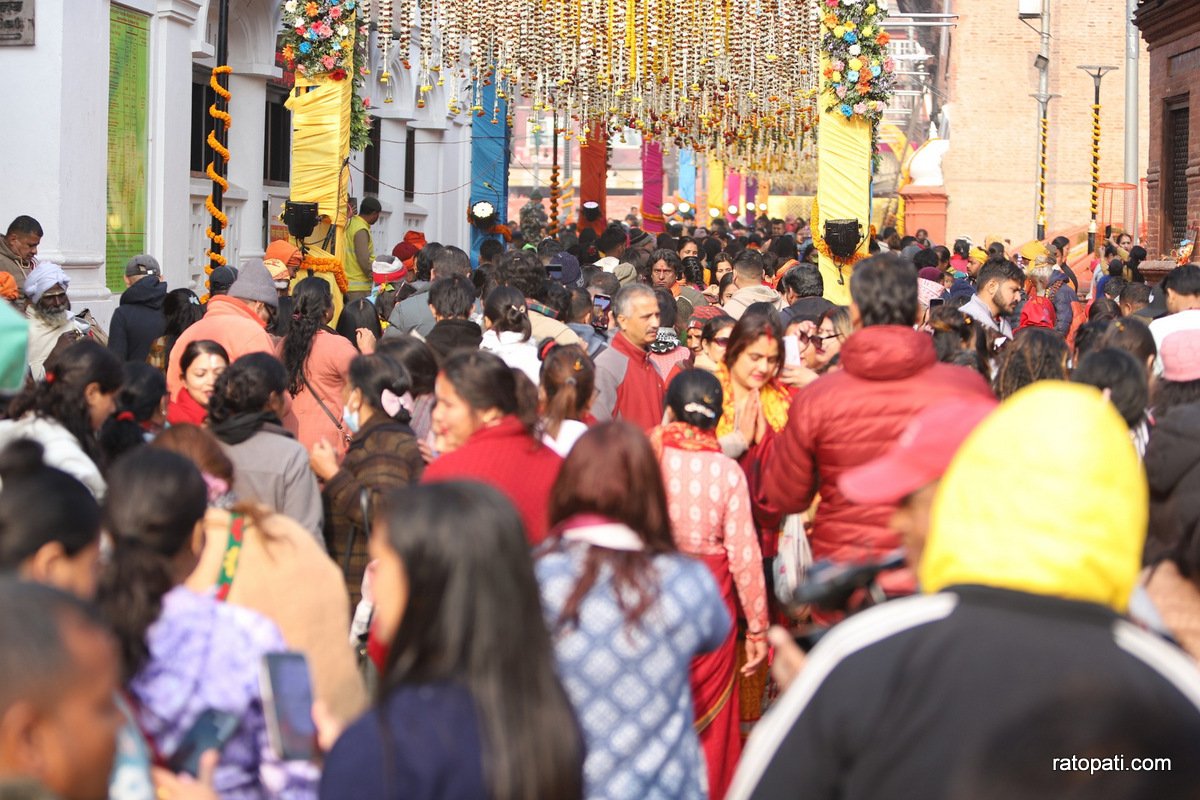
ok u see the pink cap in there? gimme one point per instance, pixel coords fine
(1180, 354)
(920, 456)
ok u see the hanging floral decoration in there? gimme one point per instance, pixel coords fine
(859, 77)
(327, 38)
(736, 79)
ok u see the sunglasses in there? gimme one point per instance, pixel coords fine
(818, 342)
(723, 341)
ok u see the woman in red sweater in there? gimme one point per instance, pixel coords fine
(484, 425)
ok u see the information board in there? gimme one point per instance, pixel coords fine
(128, 76)
(16, 22)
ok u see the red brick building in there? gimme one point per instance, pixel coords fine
(1171, 29)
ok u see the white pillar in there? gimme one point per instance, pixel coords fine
(168, 205)
(248, 106)
(57, 143)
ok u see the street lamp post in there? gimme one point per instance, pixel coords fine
(1097, 74)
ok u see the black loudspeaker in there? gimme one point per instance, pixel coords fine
(300, 218)
(843, 236)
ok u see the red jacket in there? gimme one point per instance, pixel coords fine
(504, 456)
(848, 418)
(628, 385)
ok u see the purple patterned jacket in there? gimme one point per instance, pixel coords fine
(206, 654)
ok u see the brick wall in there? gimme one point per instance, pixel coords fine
(990, 169)
(1173, 35)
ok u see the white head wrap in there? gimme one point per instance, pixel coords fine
(44, 276)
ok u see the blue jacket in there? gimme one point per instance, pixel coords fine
(423, 743)
(1063, 298)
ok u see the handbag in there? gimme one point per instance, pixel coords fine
(793, 560)
(94, 330)
(341, 429)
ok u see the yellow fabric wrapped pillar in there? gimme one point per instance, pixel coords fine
(843, 185)
(320, 148)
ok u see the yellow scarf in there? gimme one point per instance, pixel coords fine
(773, 397)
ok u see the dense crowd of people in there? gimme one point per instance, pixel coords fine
(567, 522)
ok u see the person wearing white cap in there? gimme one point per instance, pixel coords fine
(49, 314)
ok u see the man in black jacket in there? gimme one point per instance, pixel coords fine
(1026, 586)
(139, 320)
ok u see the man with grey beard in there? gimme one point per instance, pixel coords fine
(49, 313)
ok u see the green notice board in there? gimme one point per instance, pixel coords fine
(128, 75)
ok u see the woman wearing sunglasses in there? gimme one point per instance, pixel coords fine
(714, 339)
(820, 353)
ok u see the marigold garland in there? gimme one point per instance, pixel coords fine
(328, 265)
(218, 150)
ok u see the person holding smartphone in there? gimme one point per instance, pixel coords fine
(185, 654)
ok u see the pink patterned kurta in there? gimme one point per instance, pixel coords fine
(709, 504)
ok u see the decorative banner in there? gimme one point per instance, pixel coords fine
(716, 189)
(128, 73)
(687, 175)
(733, 195)
(489, 164)
(593, 177)
(652, 187)
(751, 201)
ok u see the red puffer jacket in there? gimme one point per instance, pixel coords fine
(847, 418)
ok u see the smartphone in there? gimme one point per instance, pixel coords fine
(791, 351)
(601, 303)
(555, 272)
(935, 302)
(211, 730)
(287, 700)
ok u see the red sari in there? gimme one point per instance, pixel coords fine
(713, 675)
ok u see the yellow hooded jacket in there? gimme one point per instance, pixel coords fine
(1063, 515)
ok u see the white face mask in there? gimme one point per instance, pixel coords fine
(350, 419)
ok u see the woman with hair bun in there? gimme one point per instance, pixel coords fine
(709, 504)
(485, 428)
(507, 331)
(565, 395)
(64, 411)
(383, 456)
